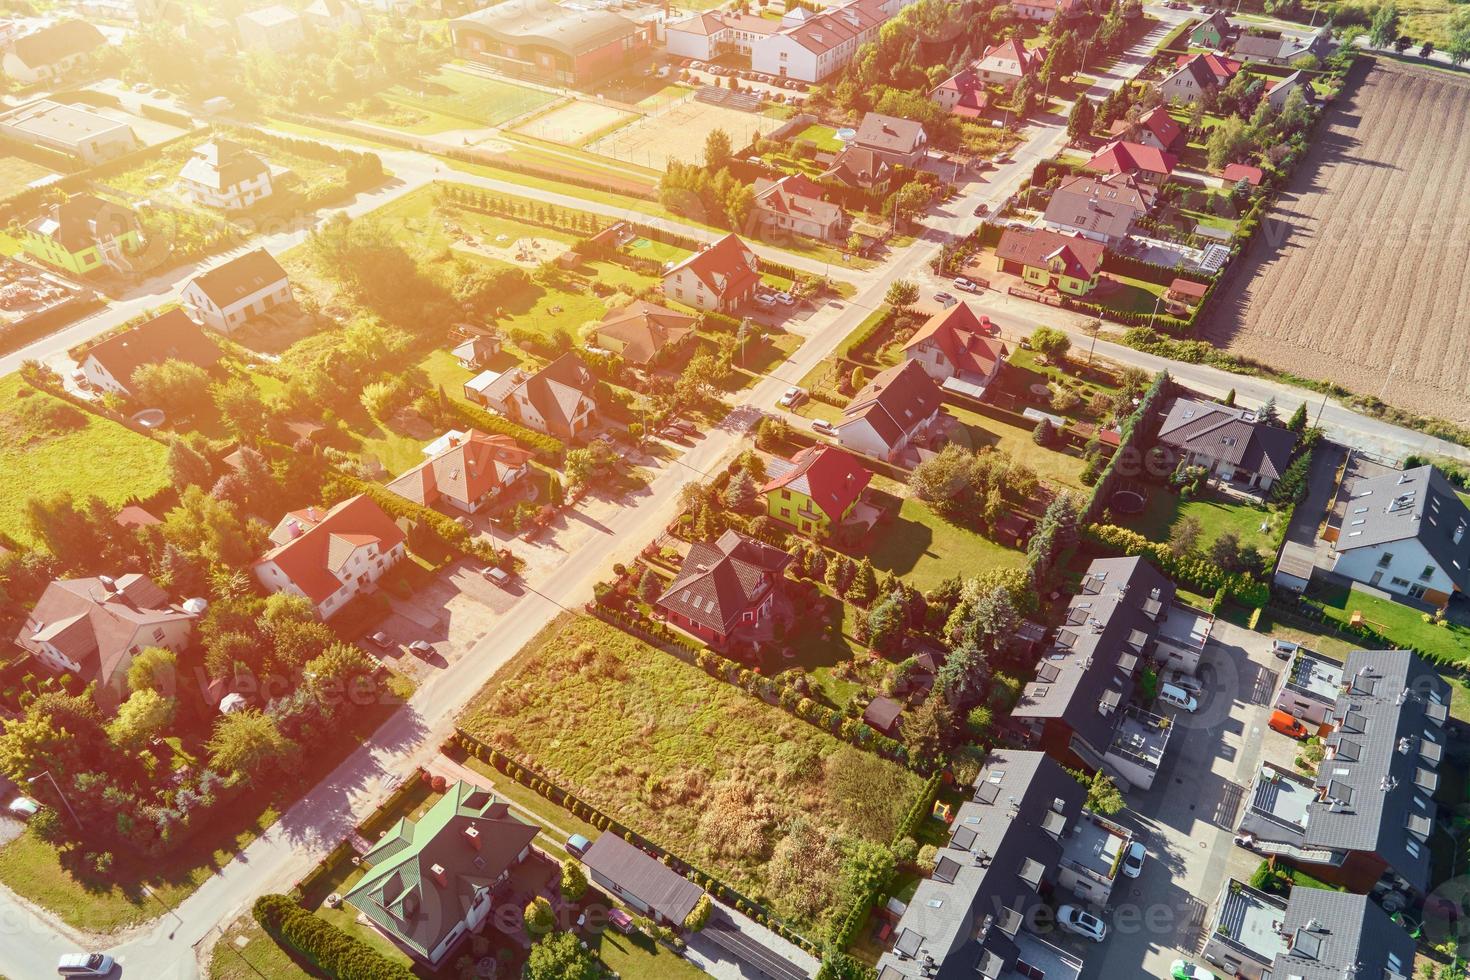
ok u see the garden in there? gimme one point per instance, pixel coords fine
(450, 99)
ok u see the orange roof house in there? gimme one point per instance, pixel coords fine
(720, 277)
(1068, 263)
(955, 345)
(330, 557)
(1142, 161)
(473, 471)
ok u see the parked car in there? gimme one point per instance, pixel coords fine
(23, 807)
(1133, 859)
(1081, 923)
(765, 300)
(496, 576)
(785, 299)
(1288, 725)
(1183, 969)
(1177, 696)
(824, 427)
(381, 640)
(961, 282)
(84, 965)
(988, 326)
(577, 845)
(945, 299)
(422, 649)
(1284, 649)
(792, 398)
(981, 210)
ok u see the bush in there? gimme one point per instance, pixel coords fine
(333, 951)
(698, 917)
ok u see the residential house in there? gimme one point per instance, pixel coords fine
(1138, 160)
(1047, 10)
(223, 174)
(816, 490)
(83, 234)
(1156, 129)
(1309, 687)
(492, 388)
(1229, 441)
(1006, 63)
(47, 54)
(899, 142)
(470, 470)
(980, 911)
(1214, 32)
(891, 412)
(724, 587)
(110, 364)
(643, 333)
(1282, 49)
(1103, 209)
(1337, 934)
(80, 131)
(857, 166)
(1405, 533)
(1079, 707)
(550, 43)
(237, 291)
(1280, 90)
(721, 277)
(276, 29)
(706, 36)
(1196, 76)
(954, 347)
(796, 205)
(430, 882)
(1047, 260)
(333, 16)
(1234, 173)
(92, 628)
(1247, 936)
(811, 46)
(557, 400)
(331, 557)
(475, 352)
(961, 94)
(1187, 292)
(648, 886)
(1366, 821)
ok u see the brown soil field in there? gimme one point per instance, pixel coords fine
(1359, 276)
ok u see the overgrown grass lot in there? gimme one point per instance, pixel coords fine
(740, 788)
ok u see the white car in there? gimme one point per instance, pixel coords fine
(765, 300)
(1081, 923)
(1178, 697)
(786, 299)
(23, 806)
(84, 965)
(962, 283)
(1133, 859)
(792, 398)
(824, 427)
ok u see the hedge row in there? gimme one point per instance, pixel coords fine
(1198, 573)
(328, 948)
(1135, 429)
(548, 449)
(861, 337)
(450, 535)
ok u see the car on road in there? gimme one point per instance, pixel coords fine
(961, 282)
(84, 965)
(791, 398)
(1081, 923)
(496, 576)
(381, 640)
(24, 807)
(981, 210)
(1177, 696)
(422, 649)
(1288, 724)
(988, 326)
(1133, 859)
(945, 299)
(1185, 970)
(824, 427)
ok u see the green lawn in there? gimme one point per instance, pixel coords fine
(16, 173)
(257, 958)
(43, 437)
(744, 789)
(1216, 514)
(1127, 295)
(453, 99)
(637, 957)
(1400, 623)
(1016, 442)
(925, 549)
(823, 137)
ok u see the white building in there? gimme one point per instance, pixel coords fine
(721, 277)
(331, 557)
(891, 411)
(223, 174)
(78, 131)
(231, 294)
(275, 29)
(809, 47)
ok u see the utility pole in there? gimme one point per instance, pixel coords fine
(64, 800)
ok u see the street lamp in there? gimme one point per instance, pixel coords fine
(59, 793)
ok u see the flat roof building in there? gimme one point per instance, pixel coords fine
(548, 42)
(78, 131)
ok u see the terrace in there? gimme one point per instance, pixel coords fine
(1139, 743)
(1310, 686)
(1183, 634)
(1091, 854)
(1247, 935)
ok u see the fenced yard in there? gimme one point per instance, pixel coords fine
(679, 134)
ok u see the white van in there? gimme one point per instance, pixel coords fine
(1178, 697)
(84, 965)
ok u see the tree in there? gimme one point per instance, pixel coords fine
(561, 956)
(241, 408)
(1229, 399)
(698, 916)
(1298, 420)
(1228, 142)
(1103, 796)
(177, 387)
(902, 294)
(1268, 413)
(1184, 536)
(650, 587)
(717, 150)
(980, 720)
(1384, 28)
(249, 744)
(961, 678)
(143, 716)
(1051, 343)
(864, 585)
(1044, 434)
(187, 466)
(153, 669)
(1080, 119)
(741, 493)
(573, 881)
(926, 727)
(540, 919)
(1458, 48)
(910, 201)
(886, 622)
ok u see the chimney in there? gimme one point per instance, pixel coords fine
(293, 528)
(311, 514)
(472, 837)
(440, 875)
(107, 583)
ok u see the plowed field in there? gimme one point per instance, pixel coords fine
(1362, 273)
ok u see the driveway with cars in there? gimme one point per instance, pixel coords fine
(1187, 820)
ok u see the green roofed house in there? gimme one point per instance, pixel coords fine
(429, 882)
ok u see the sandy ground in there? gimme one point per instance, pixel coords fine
(526, 252)
(1359, 276)
(679, 134)
(574, 122)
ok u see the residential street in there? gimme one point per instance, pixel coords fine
(167, 948)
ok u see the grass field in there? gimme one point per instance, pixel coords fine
(453, 99)
(1404, 624)
(1217, 516)
(16, 173)
(822, 137)
(695, 764)
(925, 549)
(1017, 443)
(41, 440)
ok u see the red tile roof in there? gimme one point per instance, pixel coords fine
(1234, 172)
(1120, 157)
(310, 560)
(832, 477)
(1010, 56)
(1221, 68)
(1081, 258)
(728, 266)
(466, 471)
(1162, 125)
(961, 335)
(171, 336)
(972, 98)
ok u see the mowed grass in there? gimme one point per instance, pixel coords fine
(43, 443)
(720, 778)
(458, 100)
(1017, 443)
(16, 173)
(1217, 517)
(1403, 624)
(925, 549)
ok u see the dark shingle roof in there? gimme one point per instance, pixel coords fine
(1336, 934)
(1227, 433)
(57, 42)
(637, 874)
(895, 402)
(1415, 504)
(719, 581)
(240, 277)
(170, 336)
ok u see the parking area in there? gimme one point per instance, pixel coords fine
(1187, 819)
(449, 613)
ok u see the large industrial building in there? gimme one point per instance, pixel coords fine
(548, 42)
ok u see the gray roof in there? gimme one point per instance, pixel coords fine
(635, 873)
(717, 582)
(1107, 204)
(967, 913)
(1088, 671)
(1382, 762)
(570, 30)
(1227, 433)
(1256, 46)
(1415, 504)
(1336, 934)
(889, 133)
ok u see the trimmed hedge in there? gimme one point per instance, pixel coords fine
(1135, 430)
(1200, 574)
(548, 449)
(450, 535)
(328, 948)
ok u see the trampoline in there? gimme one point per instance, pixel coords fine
(1127, 501)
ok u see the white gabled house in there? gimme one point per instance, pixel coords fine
(235, 292)
(331, 557)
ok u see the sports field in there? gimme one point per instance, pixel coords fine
(575, 122)
(453, 99)
(679, 134)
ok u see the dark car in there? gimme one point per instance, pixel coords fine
(981, 210)
(421, 649)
